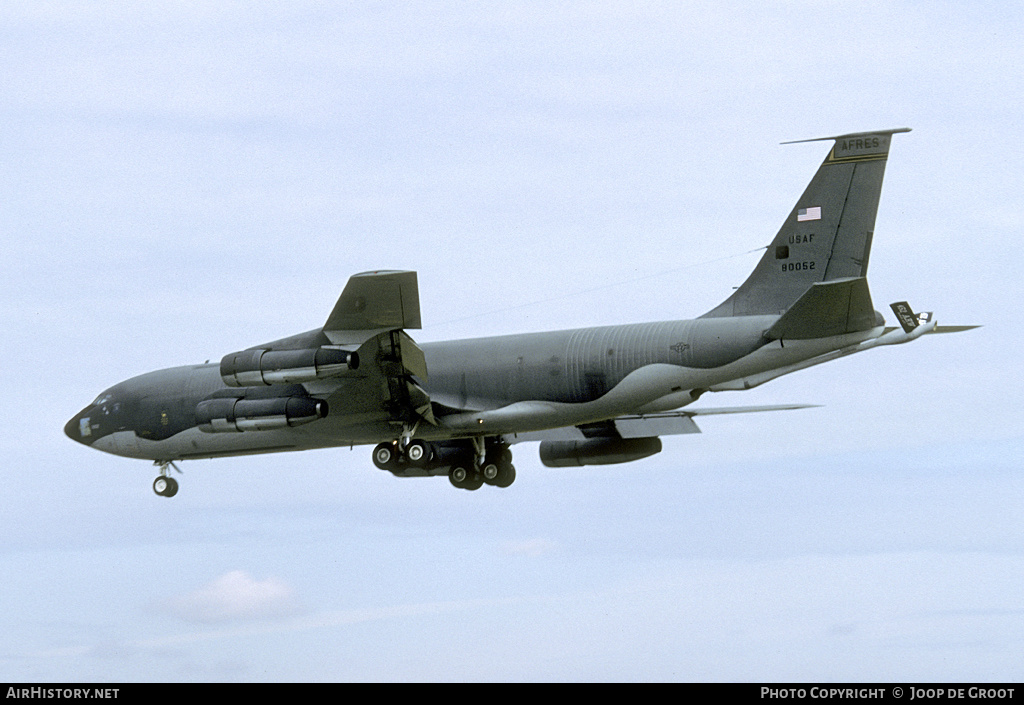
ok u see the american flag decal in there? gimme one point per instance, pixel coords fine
(809, 214)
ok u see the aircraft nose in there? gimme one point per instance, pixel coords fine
(78, 428)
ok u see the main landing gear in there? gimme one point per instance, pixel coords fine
(165, 485)
(468, 466)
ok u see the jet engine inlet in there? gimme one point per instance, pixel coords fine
(232, 415)
(251, 368)
(597, 451)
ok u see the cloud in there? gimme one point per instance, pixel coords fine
(236, 596)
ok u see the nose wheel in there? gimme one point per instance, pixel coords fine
(165, 485)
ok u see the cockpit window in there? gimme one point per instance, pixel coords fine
(102, 399)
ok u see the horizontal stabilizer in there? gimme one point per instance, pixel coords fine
(826, 309)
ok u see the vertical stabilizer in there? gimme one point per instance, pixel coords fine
(827, 235)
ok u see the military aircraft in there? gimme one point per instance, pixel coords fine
(590, 396)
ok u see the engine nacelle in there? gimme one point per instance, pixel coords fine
(597, 451)
(229, 414)
(251, 368)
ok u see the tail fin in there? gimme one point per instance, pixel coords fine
(827, 235)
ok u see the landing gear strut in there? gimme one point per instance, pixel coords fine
(165, 485)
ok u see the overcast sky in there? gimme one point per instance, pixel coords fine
(185, 179)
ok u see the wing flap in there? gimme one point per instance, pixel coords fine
(655, 425)
(669, 423)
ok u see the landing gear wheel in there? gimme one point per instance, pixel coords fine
(490, 473)
(418, 453)
(506, 475)
(465, 479)
(165, 486)
(385, 456)
(458, 475)
(497, 469)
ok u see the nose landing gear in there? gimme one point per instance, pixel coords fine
(165, 485)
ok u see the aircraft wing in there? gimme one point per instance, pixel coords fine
(371, 317)
(376, 300)
(669, 423)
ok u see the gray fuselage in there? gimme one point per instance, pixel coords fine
(153, 415)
